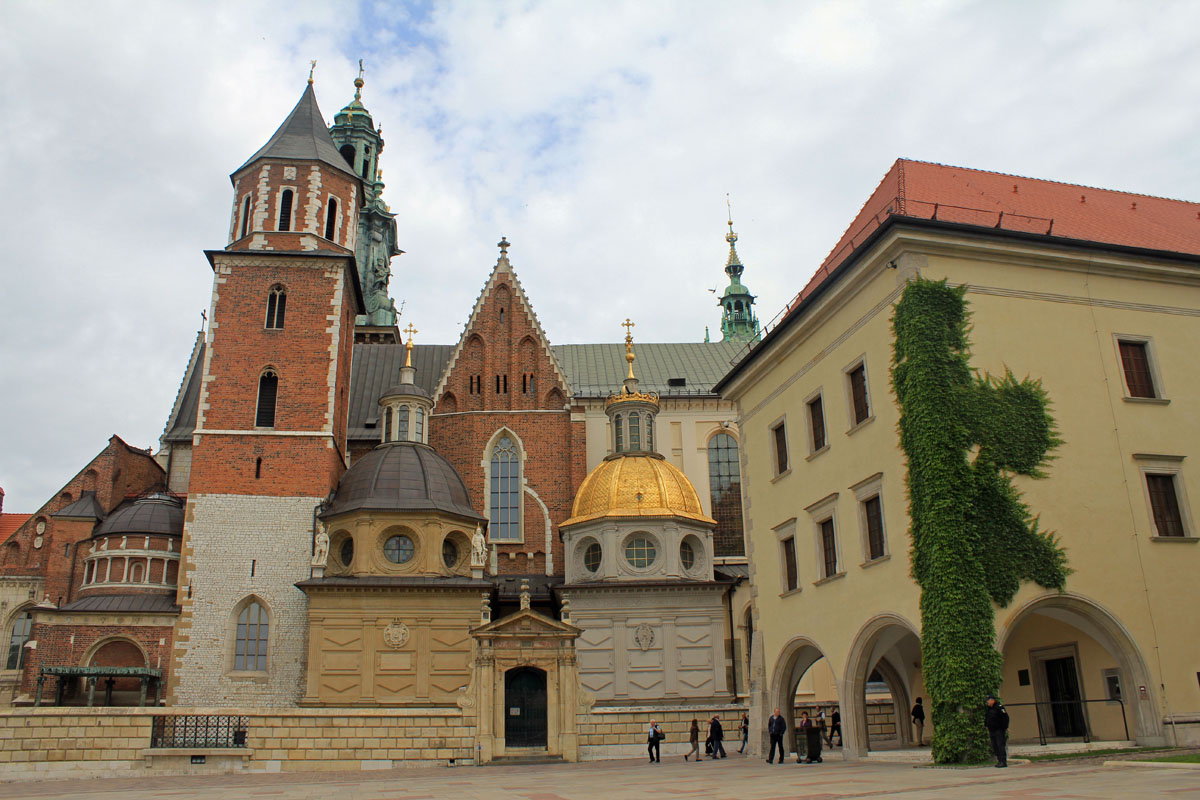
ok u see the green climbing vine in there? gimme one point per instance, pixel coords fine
(974, 541)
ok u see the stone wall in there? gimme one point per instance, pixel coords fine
(620, 732)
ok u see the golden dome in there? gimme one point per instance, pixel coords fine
(636, 486)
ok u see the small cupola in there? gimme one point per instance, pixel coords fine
(406, 406)
(738, 320)
(630, 411)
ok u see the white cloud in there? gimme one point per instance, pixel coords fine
(601, 138)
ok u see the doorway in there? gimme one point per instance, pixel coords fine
(1062, 688)
(525, 707)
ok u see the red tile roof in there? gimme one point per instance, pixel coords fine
(10, 522)
(1009, 202)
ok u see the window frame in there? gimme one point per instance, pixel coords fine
(258, 400)
(785, 535)
(332, 218)
(235, 620)
(739, 524)
(655, 542)
(1156, 382)
(1160, 465)
(817, 397)
(821, 512)
(864, 491)
(860, 363)
(519, 479)
(11, 632)
(276, 316)
(291, 217)
(777, 431)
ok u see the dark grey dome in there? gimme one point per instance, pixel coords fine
(158, 513)
(402, 476)
(405, 388)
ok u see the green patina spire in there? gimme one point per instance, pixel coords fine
(360, 143)
(738, 322)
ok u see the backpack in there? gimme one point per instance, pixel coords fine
(659, 735)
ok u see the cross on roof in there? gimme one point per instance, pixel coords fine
(628, 326)
(410, 330)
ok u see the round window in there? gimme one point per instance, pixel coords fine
(449, 553)
(346, 551)
(687, 554)
(399, 549)
(640, 552)
(591, 557)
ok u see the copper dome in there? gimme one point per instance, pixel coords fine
(402, 476)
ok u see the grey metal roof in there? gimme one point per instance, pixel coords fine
(182, 422)
(303, 136)
(733, 570)
(86, 507)
(402, 476)
(376, 367)
(596, 370)
(126, 603)
(157, 513)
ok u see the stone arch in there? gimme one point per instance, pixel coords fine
(1096, 621)
(794, 660)
(890, 644)
(116, 651)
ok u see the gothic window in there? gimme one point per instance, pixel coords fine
(250, 639)
(17, 640)
(330, 217)
(276, 306)
(268, 389)
(285, 211)
(505, 491)
(245, 217)
(402, 425)
(725, 494)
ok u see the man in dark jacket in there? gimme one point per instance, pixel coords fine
(716, 733)
(996, 721)
(776, 728)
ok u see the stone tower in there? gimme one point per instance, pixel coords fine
(270, 436)
(738, 322)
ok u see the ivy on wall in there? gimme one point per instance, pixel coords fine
(974, 541)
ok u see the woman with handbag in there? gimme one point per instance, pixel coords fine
(653, 737)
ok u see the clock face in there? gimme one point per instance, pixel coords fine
(41, 527)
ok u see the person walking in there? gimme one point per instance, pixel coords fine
(835, 726)
(717, 734)
(745, 731)
(776, 728)
(812, 740)
(918, 719)
(820, 722)
(653, 737)
(995, 719)
(694, 739)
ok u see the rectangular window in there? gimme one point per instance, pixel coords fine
(1135, 360)
(858, 393)
(781, 450)
(873, 512)
(789, 563)
(1112, 684)
(829, 548)
(1164, 505)
(816, 420)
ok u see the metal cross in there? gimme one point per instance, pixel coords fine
(410, 330)
(628, 326)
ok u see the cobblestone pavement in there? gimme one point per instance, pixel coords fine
(738, 777)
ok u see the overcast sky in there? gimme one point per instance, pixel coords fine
(600, 137)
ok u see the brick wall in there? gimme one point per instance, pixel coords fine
(621, 732)
(313, 185)
(70, 646)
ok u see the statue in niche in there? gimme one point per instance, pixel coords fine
(320, 548)
(381, 309)
(478, 548)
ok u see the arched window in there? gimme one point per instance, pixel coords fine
(285, 211)
(402, 425)
(17, 640)
(276, 306)
(268, 390)
(505, 491)
(250, 640)
(725, 491)
(347, 152)
(245, 217)
(136, 573)
(330, 217)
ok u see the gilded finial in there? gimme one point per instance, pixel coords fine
(311, 69)
(408, 346)
(730, 237)
(629, 325)
(358, 82)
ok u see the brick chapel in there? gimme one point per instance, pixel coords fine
(338, 515)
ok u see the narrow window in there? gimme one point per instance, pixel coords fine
(285, 211)
(276, 306)
(268, 389)
(620, 440)
(1164, 503)
(505, 491)
(245, 217)
(402, 425)
(858, 393)
(387, 425)
(781, 451)
(635, 432)
(829, 548)
(366, 164)
(1136, 362)
(816, 419)
(725, 494)
(250, 642)
(258, 467)
(476, 384)
(330, 217)
(419, 424)
(649, 431)
(873, 511)
(532, 390)
(17, 640)
(502, 315)
(789, 563)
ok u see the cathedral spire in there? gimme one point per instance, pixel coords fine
(738, 322)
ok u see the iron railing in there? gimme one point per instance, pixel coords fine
(1044, 711)
(199, 731)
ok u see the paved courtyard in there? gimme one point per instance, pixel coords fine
(737, 778)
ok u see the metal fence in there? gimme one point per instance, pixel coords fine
(1073, 719)
(199, 731)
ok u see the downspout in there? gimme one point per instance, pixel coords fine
(733, 633)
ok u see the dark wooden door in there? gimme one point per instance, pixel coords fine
(525, 707)
(1066, 708)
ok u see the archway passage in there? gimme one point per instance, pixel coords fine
(1073, 672)
(117, 691)
(525, 707)
(883, 678)
(791, 676)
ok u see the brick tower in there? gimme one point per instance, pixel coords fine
(270, 437)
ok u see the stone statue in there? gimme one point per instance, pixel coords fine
(478, 548)
(320, 548)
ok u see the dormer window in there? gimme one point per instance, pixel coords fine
(285, 211)
(276, 305)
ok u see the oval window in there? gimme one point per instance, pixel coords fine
(399, 549)
(449, 553)
(687, 554)
(591, 557)
(640, 552)
(346, 552)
